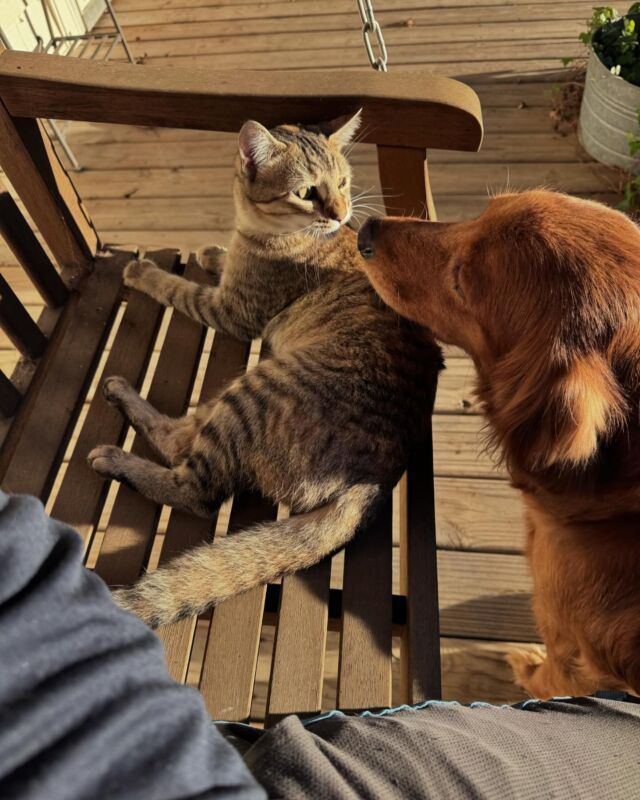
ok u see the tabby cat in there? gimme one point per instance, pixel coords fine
(324, 424)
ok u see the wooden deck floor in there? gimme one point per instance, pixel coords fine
(164, 187)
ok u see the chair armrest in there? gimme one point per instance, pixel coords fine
(406, 109)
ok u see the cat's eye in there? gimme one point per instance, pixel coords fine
(343, 183)
(306, 192)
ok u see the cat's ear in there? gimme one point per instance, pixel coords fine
(257, 146)
(342, 130)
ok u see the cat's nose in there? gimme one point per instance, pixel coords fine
(333, 213)
(365, 237)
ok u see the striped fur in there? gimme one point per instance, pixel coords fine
(324, 424)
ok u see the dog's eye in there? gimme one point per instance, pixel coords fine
(456, 278)
(306, 192)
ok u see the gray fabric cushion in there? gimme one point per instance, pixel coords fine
(566, 748)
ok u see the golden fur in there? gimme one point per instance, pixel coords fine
(543, 291)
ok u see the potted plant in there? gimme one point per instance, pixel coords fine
(609, 124)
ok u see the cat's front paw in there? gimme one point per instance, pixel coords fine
(140, 274)
(211, 258)
(108, 461)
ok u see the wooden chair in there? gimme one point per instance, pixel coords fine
(404, 114)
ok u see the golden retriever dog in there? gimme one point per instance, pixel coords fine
(543, 291)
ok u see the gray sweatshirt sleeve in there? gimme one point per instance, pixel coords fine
(87, 709)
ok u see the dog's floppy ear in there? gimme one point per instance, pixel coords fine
(548, 415)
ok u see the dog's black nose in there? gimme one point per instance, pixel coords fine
(365, 237)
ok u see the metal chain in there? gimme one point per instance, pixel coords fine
(370, 25)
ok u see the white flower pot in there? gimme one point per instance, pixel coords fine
(609, 113)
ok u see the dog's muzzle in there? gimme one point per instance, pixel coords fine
(366, 236)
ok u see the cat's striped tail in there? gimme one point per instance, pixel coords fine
(211, 573)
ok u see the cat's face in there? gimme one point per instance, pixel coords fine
(294, 179)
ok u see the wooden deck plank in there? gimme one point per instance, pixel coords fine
(505, 19)
(81, 497)
(447, 180)
(439, 56)
(526, 144)
(485, 596)
(479, 514)
(134, 518)
(459, 447)
(131, 15)
(432, 38)
(455, 388)
(482, 595)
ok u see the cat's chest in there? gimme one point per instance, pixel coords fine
(320, 317)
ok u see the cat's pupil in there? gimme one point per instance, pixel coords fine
(307, 192)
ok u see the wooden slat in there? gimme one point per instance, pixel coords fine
(45, 422)
(83, 492)
(18, 325)
(419, 579)
(229, 665)
(298, 653)
(364, 678)
(403, 174)
(26, 157)
(228, 358)
(133, 521)
(28, 376)
(416, 110)
(10, 397)
(47, 161)
(29, 252)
